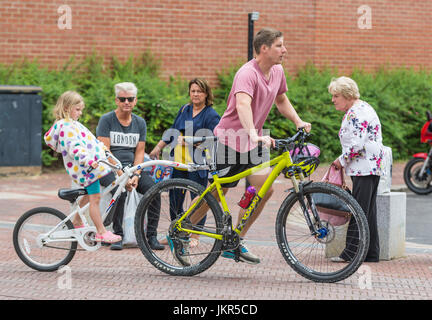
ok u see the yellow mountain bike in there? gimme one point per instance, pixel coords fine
(307, 239)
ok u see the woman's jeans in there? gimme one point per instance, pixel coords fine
(177, 197)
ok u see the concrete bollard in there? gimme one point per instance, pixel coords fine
(391, 220)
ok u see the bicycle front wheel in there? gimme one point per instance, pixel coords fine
(341, 245)
(185, 254)
(31, 250)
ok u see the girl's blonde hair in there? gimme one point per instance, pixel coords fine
(64, 103)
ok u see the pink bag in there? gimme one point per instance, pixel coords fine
(335, 176)
(335, 213)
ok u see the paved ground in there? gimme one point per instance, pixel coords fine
(126, 274)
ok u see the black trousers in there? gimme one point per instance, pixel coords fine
(365, 192)
(177, 197)
(144, 183)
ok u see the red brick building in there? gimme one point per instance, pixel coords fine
(197, 38)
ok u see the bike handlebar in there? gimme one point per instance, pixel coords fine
(288, 143)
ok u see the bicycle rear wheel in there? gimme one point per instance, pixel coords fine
(34, 253)
(180, 257)
(313, 256)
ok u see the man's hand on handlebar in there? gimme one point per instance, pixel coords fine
(304, 125)
(267, 141)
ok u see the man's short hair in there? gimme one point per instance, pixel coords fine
(266, 37)
(125, 86)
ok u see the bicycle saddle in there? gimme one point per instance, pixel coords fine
(71, 194)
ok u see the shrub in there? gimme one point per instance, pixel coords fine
(400, 96)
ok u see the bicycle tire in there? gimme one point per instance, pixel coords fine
(32, 254)
(411, 180)
(200, 258)
(311, 256)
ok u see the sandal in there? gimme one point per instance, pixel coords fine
(107, 237)
(79, 226)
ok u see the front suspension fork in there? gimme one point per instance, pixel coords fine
(425, 163)
(298, 189)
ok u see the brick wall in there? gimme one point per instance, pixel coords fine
(198, 38)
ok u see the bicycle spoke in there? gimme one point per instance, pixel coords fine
(34, 251)
(184, 252)
(310, 254)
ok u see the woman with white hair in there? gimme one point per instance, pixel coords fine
(361, 158)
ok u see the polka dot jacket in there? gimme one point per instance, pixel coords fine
(79, 148)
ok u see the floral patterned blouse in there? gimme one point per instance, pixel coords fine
(361, 140)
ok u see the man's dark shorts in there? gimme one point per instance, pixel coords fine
(229, 162)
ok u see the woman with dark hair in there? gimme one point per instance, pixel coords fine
(197, 118)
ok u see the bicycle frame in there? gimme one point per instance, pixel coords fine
(72, 235)
(281, 162)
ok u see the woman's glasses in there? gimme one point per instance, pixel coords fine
(123, 99)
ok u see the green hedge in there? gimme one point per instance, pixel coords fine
(400, 96)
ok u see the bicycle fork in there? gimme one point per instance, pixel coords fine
(298, 189)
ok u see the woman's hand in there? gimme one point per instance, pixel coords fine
(337, 164)
(155, 153)
(181, 140)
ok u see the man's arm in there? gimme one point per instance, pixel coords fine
(244, 111)
(285, 107)
(139, 154)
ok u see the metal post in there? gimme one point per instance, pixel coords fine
(250, 36)
(253, 16)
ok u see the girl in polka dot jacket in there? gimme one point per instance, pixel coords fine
(81, 151)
